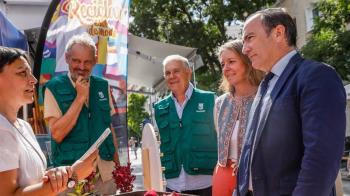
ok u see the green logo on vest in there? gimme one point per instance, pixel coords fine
(102, 96)
(200, 107)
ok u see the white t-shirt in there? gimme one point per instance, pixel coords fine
(17, 153)
(233, 149)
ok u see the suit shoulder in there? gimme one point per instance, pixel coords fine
(313, 73)
(313, 65)
(311, 68)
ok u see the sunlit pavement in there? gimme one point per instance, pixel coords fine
(136, 164)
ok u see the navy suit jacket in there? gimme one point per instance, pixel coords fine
(300, 139)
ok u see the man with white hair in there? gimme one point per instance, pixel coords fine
(78, 108)
(188, 138)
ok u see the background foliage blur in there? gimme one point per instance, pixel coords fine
(193, 23)
(330, 38)
(136, 114)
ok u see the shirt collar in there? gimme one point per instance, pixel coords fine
(279, 67)
(188, 92)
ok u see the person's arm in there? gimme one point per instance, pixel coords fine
(322, 112)
(115, 142)
(54, 181)
(61, 127)
(10, 171)
(84, 168)
(9, 185)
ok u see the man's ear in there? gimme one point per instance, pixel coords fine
(66, 56)
(190, 73)
(280, 33)
(95, 59)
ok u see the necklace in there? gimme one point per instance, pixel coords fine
(20, 132)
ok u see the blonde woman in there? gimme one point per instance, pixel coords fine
(240, 83)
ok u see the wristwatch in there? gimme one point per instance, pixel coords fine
(72, 181)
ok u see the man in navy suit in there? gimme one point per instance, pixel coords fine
(296, 128)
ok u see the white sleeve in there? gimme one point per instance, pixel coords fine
(9, 151)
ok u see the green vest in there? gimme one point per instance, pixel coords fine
(190, 141)
(92, 120)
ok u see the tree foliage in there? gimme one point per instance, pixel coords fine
(136, 113)
(192, 23)
(330, 41)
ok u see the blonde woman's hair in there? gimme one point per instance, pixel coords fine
(254, 76)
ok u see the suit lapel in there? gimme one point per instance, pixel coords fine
(291, 66)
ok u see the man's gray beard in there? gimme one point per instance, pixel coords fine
(75, 78)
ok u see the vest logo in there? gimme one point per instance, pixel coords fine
(200, 107)
(102, 96)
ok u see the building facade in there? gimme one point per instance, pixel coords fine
(303, 13)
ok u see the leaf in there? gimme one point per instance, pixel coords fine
(330, 41)
(136, 113)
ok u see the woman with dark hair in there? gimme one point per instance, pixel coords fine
(240, 83)
(22, 163)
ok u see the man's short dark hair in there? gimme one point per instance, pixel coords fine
(9, 55)
(272, 17)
